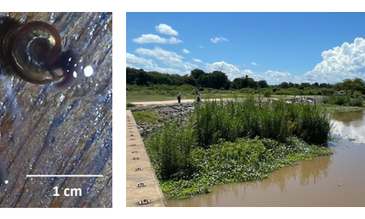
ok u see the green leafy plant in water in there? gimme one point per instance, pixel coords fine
(239, 161)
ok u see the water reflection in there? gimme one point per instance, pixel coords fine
(349, 125)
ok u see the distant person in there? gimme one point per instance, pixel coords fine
(198, 97)
(179, 98)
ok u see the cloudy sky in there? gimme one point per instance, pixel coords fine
(276, 47)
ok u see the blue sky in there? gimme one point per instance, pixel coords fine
(276, 47)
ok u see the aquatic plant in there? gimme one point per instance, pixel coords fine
(170, 147)
(277, 120)
(314, 125)
(239, 161)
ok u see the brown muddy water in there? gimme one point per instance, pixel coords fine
(328, 181)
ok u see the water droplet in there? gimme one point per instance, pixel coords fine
(88, 71)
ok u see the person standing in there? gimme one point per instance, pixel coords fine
(198, 97)
(179, 98)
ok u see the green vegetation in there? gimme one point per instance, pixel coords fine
(239, 161)
(130, 105)
(169, 92)
(215, 80)
(329, 108)
(277, 120)
(344, 100)
(235, 141)
(147, 86)
(147, 116)
(171, 148)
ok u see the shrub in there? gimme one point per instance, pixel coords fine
(341, 100)
(277, 120)
(130, 105)
(246, 90)
(214, 121)
(267, 93)
(356, 102)
(170, 147)
(313, 125)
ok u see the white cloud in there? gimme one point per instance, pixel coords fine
(166, 70)
(254, 63)
(167, 57)
(152, 38)
(166, 29)
(276, 77)
(186, 51)
(201, 47)
(232, 71)
(215, 40)
(133, 60)
(339, 63)
(197, 60)
(229, 69)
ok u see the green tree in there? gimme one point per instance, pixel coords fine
(353, 85)
(304, 85)
(197, 73)
(220, 79)
(284, 85)
(263, 84)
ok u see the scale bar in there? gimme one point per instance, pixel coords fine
(39, 176)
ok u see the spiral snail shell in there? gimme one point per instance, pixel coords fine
(34, 52)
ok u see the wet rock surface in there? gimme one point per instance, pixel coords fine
(45, 131)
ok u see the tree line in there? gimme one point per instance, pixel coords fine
(215, 80)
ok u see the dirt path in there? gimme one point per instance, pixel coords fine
(169, 102)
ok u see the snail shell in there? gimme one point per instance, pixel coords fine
(34, 51)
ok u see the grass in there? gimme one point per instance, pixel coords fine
(147, 116)
(276, 120)
(344, 100)
(171, 148)
(330, 108)
(131, 105)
